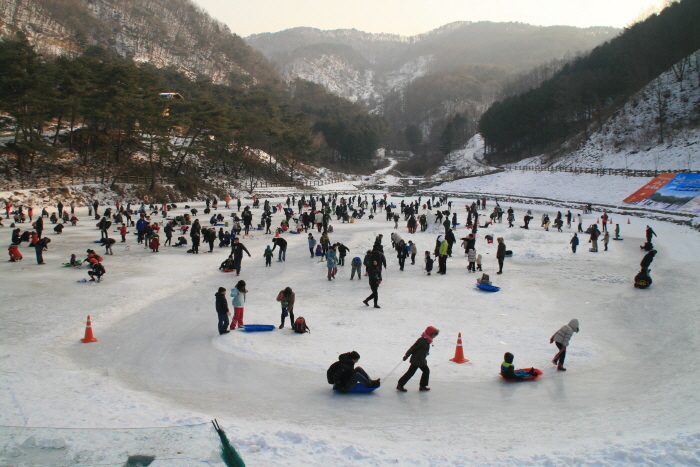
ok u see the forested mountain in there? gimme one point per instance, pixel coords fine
(423, 82)
(580, 97)
(81, 84)
(160, 32)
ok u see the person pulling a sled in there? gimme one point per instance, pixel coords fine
(561, 338)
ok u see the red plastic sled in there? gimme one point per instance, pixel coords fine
(537, 374)
(229, 270)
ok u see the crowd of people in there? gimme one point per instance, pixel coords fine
(304, 215)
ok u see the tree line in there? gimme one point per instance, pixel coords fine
(105, 112)
(591, 87)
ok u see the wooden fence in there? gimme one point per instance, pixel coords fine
(55, 181)
(597, 171)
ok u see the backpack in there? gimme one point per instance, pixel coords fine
(300, 326)
(331, 372)
(356, 261)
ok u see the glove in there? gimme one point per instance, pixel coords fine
(551, 341)
(405, 357)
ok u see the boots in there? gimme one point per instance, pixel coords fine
(560, 367)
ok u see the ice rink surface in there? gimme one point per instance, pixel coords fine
(629, 395)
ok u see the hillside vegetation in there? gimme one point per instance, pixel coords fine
(584, 93)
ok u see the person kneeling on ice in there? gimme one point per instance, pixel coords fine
(642, 280)
(562, 338)
(508, 370)
(15, 255)
(98, 270)
(343, 375)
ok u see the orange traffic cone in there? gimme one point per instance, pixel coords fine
(277, 233)
(628, 220)
(459, 353)
(597, 221)
(88, 333)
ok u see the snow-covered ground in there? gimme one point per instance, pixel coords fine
(633, 138)
(629, 395)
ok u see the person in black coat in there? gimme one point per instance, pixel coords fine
(401, 254)
(41, 246)
(282, 243)
(342, 252)
(222, 310)
(419, 352)
(500, 254)
(650, 233)
(39, 226)
(343, 375)
(375, 278)
(237, 250)
(98, 270)
(647, 260)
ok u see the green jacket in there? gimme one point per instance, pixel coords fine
(444, 248)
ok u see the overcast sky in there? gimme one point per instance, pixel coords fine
(408, 17)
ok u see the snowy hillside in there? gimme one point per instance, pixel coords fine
(632, 137)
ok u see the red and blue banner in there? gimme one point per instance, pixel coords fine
(672, 192)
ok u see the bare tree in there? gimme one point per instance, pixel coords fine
(660, 93)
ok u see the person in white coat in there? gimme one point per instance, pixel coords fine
(238, 293)
(561, 338)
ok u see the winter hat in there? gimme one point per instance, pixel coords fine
(428, 333)
(508, 357)
(354, 355)
(268, 247)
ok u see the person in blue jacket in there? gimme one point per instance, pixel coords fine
(574, 243)
(331, 262)
(141, 229)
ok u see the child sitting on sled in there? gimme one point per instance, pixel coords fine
(508, 370)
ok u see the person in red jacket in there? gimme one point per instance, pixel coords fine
(15, 255)
(122, 232)
(155, 243)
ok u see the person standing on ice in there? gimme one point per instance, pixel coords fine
(580, 223)
(561, 338)
(568, 219)
(286, 298)
(237, 250)
(312, 244)
(331, 262)
(574, 242)
(442, 251)
(375, 278)
(606, 240)
(593, 240)
(500, 254)
(222, 310)
(238, 293)
(419, 352)
(650, 233)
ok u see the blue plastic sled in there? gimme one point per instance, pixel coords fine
(258, 327)
(618, 238)
(221, 225)
(359, 387)
(97, 241)
(488, 288)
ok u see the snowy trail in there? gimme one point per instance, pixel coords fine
(628, 372)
